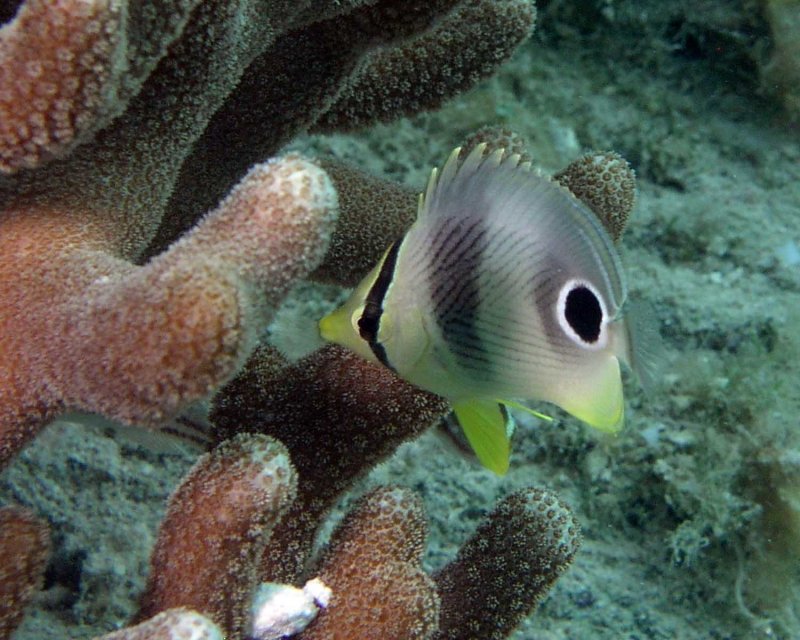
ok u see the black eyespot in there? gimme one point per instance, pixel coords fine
(583, 313)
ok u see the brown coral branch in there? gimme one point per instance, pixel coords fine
(501, 574)
(459, 49)
(606, 183)
(338, 416)
(84, 330)
(373, 567)
(371, 564)
(377, 62)
(217, 525)
(24, 549)
(372, 213)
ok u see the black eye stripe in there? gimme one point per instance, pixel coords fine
(370, 321)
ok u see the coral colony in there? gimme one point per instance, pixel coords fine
(148, 231)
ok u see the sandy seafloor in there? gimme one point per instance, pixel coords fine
(691, 516)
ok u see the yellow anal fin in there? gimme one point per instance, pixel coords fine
(598, 400)
(485, 423)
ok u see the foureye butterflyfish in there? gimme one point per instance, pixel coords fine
(506, 287)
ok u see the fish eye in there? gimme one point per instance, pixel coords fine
(365, 324)
(582, 314)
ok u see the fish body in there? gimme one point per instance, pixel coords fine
(507, 287)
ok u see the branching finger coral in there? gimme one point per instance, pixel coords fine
(360, 413)
(373, 566)
(218, 524)
(146, 239)
(83, 329)
(485, 596)
(123, 123)
(224, 514)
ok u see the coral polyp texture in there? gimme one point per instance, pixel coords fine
(361, 412)
(85, 329)
(606, 183)
(484, 596)
(172, 624)
(220, 540)
(218, 523)
(58, 70)
(124, 125)
(373, 566)
(24, 547)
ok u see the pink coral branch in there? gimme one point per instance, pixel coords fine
(140, 343)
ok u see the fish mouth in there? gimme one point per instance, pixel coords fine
(332, 326)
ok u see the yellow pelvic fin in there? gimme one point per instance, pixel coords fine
(485, 425)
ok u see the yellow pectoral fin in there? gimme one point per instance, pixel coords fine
(485, 425)
(598, 401)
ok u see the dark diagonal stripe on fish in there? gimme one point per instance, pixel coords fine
(455, 291)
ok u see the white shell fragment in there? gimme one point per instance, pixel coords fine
(282, 610)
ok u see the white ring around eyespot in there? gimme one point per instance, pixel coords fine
(561, 309)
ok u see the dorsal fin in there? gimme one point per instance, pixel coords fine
(456, 170)
(502, 189)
